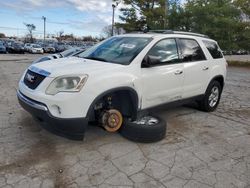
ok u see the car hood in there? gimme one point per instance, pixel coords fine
(73, 66)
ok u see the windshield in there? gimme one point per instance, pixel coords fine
(17, 45)
(120, 50)
(36, 46)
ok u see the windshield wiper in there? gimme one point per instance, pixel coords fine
(96, 58)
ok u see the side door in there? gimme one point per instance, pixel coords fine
(196, 67)
(163, 79)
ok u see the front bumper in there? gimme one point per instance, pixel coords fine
(72, 128)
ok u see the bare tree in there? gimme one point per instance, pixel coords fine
(60, 35)
(2, 35)
(30, 28)
(107, 31)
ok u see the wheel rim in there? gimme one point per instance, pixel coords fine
(213, 97)
(147, 120)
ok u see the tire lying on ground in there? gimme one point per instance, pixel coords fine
(146, 129)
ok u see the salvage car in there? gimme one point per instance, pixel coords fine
(117, 79)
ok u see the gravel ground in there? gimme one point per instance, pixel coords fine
(201, 150)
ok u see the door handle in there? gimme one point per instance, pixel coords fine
(178, 72)
(205, 68)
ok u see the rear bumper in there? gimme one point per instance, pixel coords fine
(72, 128)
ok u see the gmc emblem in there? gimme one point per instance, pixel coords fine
(30, 78)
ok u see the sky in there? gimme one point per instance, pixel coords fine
(79, 17)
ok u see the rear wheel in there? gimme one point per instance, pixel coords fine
(212, 97)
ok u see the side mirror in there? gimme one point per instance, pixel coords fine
(150, 61)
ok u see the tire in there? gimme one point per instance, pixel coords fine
(144, 133)
(206, 104)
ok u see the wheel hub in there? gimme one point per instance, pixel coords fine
(112, 120)
(213, 97)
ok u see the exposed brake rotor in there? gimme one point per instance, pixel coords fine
(112, 120)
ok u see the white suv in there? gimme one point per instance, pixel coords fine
(122, 76)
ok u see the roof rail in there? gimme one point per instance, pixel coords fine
(137, 32)
(176, 32)
(161, 31)
(190, 33)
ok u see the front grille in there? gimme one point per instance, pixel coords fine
(32, 79)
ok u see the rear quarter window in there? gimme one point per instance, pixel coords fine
(213, 49)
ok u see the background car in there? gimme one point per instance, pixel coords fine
(241, 52)
(49, 49)
(45, 58)
(36, 49)
(59, 48)
(2, 48)
(27, 47)
(70, 52)
(67, 53)
(16, 48)
(227, 52)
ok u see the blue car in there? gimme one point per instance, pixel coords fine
(2, 48)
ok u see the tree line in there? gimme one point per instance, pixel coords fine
(226, 21)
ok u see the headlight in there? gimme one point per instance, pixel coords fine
(66, 84)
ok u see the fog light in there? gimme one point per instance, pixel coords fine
(56, 109)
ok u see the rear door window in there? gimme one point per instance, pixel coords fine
(213, 49)
(191, 50)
